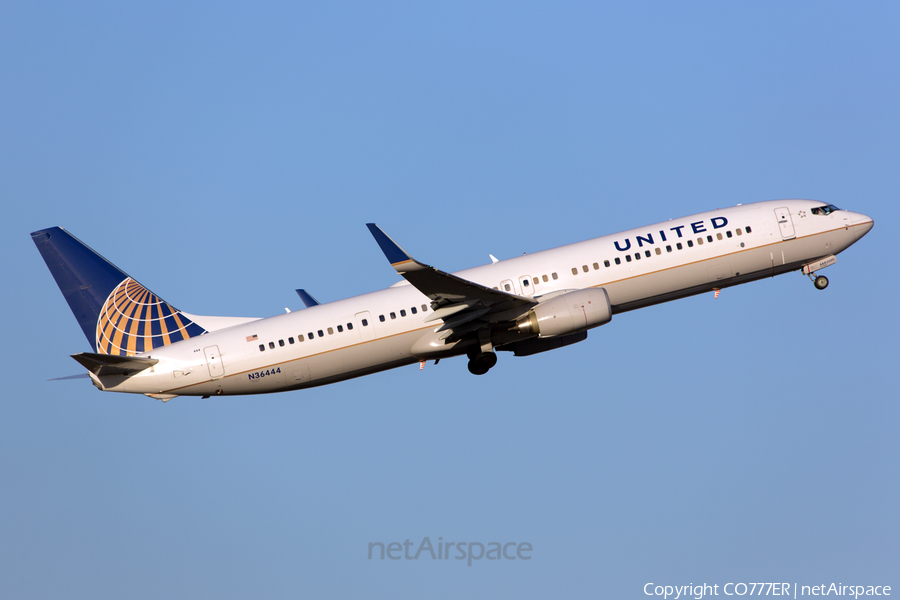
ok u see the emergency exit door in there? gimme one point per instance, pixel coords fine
(214, 362)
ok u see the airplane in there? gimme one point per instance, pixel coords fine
(524, 305)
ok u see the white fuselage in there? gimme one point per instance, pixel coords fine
(385, 329)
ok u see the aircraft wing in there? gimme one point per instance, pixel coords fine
(464, 305)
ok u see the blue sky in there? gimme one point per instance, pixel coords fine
(225, 154)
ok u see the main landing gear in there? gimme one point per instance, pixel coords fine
(481, 362)
(482, 358)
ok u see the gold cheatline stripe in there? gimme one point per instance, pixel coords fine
(430, 327)
(697, 262)
(300, 358)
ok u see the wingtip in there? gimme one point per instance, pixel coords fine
(391, 249)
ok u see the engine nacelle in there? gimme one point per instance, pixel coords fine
(568, 313)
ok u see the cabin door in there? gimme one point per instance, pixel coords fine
(783, 216)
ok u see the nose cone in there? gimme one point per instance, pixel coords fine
(862, 223)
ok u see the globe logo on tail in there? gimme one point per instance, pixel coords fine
(135, 320)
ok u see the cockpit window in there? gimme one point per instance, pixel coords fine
(824, 210)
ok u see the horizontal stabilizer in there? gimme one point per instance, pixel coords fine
(79, 376)
(111, 364)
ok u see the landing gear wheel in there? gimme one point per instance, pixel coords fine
(821, 282)
(481, 363)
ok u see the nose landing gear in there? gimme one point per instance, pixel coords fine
(820, 281)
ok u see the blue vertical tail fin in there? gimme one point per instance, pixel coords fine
(118, 315)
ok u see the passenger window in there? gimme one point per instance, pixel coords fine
(271, 345)
(536, 280)
(668, 248)
(381, 318)
(658, 251)
(647, 253)
(524, 283)
(699, 241)
(618, 261)
(349, 326)
(321, 333)
(424, 308)
(584, 268)
(262, 348)
(627, 258)
(596, 267)
(365, 322)
(544, 277)
(747, 229)
(300, 337)
(310, 335)
(678, 245)
(330, 331)
(506, 287)
(690, 244)
(574, 271)
(637, 256)
(393, 315)
(739, 232)
(728, 234)
(709, 238)
(281, 343)
(554, 276)
(605, 263)
(414, 310)
(403, 312)
(340, 329)
(718, 237)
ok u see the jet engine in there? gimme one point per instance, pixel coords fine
(568, 313)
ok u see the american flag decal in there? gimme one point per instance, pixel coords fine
(252, 338)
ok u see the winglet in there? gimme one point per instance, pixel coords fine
(397, 256)
(308, 300)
